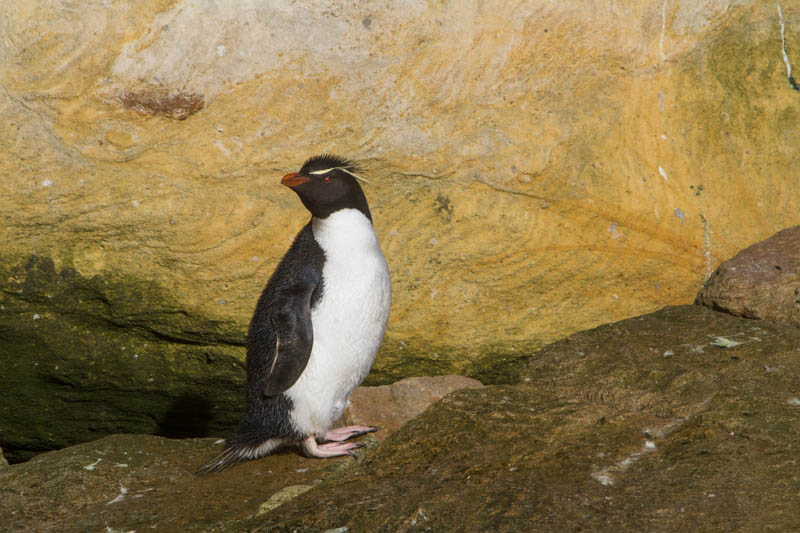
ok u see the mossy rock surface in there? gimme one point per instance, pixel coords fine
(682, 420)
(87, 357)
(658, 423)
(145, 483)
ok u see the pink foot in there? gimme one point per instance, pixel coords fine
(348, 432)
(331, 449)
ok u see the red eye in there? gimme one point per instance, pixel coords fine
(326, 179)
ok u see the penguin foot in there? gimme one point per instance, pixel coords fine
(330, 449)
(348, 432)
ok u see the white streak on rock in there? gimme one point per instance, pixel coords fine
(121, 496)
(707, 246)
(221, 147)
(91, 466)
(605, 476)
(723, 342)
(783, 44)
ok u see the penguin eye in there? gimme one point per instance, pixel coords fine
(326, 179)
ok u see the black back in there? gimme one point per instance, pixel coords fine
(267, 415)
(301, 266)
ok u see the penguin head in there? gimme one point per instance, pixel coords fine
(326, 184)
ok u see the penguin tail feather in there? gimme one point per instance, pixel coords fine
(233, 455)
(227, 458)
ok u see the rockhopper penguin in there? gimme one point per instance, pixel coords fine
(317, 325)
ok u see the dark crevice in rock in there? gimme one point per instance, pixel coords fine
(187, 338)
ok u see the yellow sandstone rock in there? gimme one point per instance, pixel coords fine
(537, 168)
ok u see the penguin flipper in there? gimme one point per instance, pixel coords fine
(291, 320)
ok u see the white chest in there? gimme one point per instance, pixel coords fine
(348, 321)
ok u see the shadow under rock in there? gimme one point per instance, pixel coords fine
(189, 416)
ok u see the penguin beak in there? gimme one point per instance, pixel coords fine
(293, 180)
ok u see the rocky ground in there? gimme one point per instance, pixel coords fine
(684, 419)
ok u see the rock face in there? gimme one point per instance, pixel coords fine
(761, 281)
(681, 420)
(537, 168)
(83, 359)
(391, 406)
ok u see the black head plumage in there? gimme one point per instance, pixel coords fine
(326, 184)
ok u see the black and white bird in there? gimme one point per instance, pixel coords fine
(317, 325)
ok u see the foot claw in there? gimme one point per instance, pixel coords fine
(331, 449)
(348, 432)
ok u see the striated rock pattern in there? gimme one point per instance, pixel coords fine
(681, 420)
(761, 281)
(536, 168)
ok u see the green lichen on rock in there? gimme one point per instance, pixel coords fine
(120, 300)
(87, 357)
(498, 363)
(501, 364)
(399, 358)
(140, 482)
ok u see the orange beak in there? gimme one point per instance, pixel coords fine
(293, 180)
